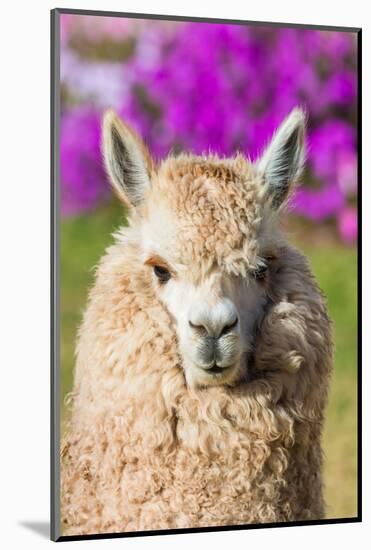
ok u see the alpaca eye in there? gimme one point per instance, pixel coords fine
(162, 274)
(260, 273)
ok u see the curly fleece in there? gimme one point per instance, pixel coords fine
(143, 451)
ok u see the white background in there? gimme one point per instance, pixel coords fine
(24, 272)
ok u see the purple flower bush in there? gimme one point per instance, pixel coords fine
(211, 87)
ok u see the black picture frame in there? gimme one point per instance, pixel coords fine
(55, 276)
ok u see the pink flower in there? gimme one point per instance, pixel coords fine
(347, 172)
(347, 224)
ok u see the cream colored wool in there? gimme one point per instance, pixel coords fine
(145, 451)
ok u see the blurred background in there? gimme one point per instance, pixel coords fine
(200, 87)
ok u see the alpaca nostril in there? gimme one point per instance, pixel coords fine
(200, 329)
(229, 328)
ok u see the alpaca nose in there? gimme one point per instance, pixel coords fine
(206, 330)
(213, 322)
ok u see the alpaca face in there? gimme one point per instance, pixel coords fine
(215, 318)
(206, 231)
(211, 273)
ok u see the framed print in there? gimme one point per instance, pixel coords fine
(205, 266)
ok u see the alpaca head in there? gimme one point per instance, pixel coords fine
(207, 236)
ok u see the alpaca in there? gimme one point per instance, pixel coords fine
(205, 353)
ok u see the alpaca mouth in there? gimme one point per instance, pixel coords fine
(213, 375)
(216, 370)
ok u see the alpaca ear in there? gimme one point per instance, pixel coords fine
(127, 160)
(283, 160)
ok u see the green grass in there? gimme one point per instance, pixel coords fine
(336, 271)
(83, 240)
